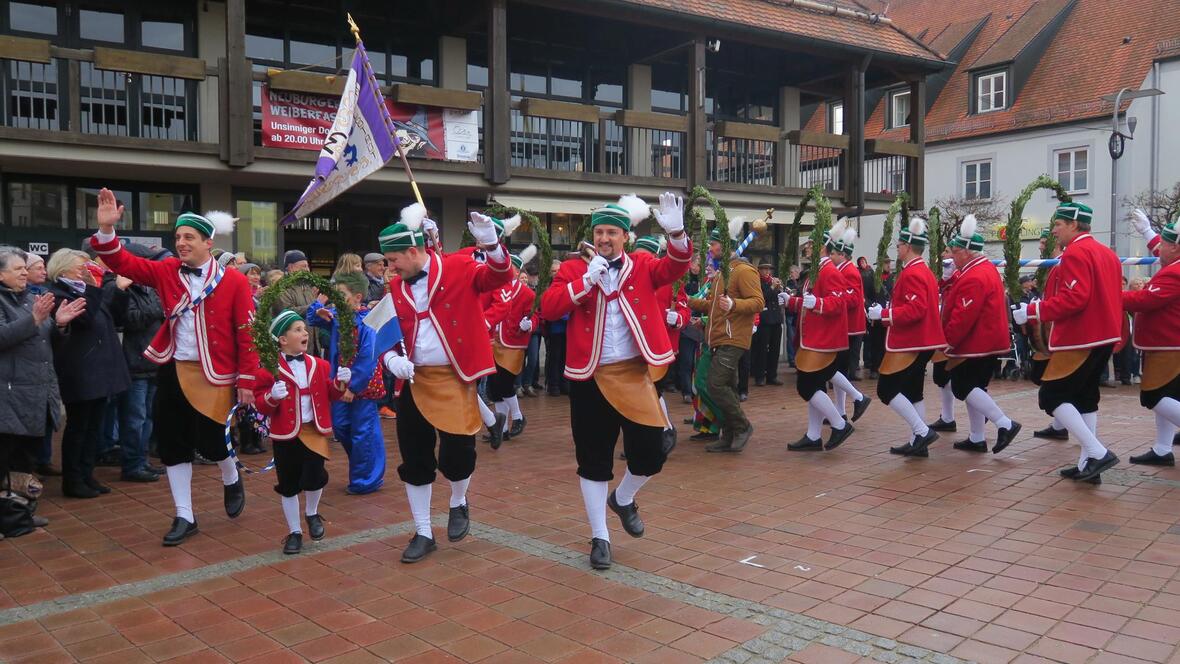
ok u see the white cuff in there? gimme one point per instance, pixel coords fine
(496, 254)
(680, 243)
(104, 237)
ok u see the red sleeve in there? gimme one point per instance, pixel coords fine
(672, 266)
(682, 310)
(829, 297)
(333, 388)
(1153, 246)
(243, 316)
(492, 274)
(1162, 291)
(908, 307)
(127, 264)
(496, 311)
(565, 292)
(962, 311)
(1073, 291)
(262, 385)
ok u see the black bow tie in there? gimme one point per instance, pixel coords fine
(616, 264)
(414, 279)
(185, 269)
(293, 358)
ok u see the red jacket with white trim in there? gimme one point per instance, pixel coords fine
(509, 306)
(824, 328)
(453, 285)
(286, 415)
(221, 321)
(1157, 310)
(911, 319)
(641, 275)
(975, 312)
(680, 306)
(1087, 309)
(854, 297)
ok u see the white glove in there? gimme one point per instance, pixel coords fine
(875, 312)
(482, 229)
(809, 301)
(400, 366)
(526, 324)
(1020, 313)
(278, 391)
(673, 318)
(429, 227)
(670, 216)
(1142, 224)
(783, 298)
(948, 269)
(598, 267)
(344, 375)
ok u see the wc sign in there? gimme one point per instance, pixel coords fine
(41, 248)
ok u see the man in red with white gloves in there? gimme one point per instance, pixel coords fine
(204, 351)
(511, 320)
(840, 251)
(676, 315)
(1086, 312)
(975, 322)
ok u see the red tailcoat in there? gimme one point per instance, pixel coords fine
(824, 328)
(912, 317)
(854, 297)
(454, 283)
(1157, 310)
(975, 312)
(680, 306)
(286, 416)
(639, 278)
(509, 305)
(1087, 309)
(221, 321)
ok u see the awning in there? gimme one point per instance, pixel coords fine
(545, 204)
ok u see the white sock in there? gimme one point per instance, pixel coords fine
(823, 403)
(1165, 431)
(978, 424)
(594, 497)
(229, 471)
(514, 408)
(629, 486)
(1075, 423)
(459, 492)
(180, 482)
(502, 408)
(984, 403)
(1169, 408)
(920, 408)
(815, 423)
(1056, 425)
(419, 497)
(311, 501)
(906, 410)
(1091, 420)
(948, 404)
(667, 420)
(291, 511)
(841, 383)
(486, 414)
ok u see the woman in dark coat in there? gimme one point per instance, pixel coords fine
(90, 368)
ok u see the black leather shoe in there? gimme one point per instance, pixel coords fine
(1005, 437)
(1150, 458)
(418, 548)
(496, 434)
(96, 485)
(77, 490)
(839, 436)
(1052, 434)
(517, 427)
(1175, 439)
(704, 436)
(315, 526)
(458, 523)
(668, 442)
(182, 529)
(859, 407)
(922, 442)
(740, 439)
(968, 446)
(235, 499)
(805, 444)
(943, 425)
(141, 475)
(628, 515)
(1095, 467)
(1072, 472)
(293, 544)
(159, 470)
(600, 553)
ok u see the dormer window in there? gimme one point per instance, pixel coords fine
(991, 91)
(899, 109)
(836, 117)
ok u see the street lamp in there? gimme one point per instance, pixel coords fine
(1118, 141)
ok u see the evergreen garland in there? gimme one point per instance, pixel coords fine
(545, 253)
(268, 347)
(823, 222)
(790, 254)
(1012, 230)
(898, 205)
(937, 241)
(721, 223)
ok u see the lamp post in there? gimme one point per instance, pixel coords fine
(1117, 143)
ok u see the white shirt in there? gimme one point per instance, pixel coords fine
(618, 343)
(428, 348)
(299, 371)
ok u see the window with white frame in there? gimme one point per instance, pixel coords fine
(1073, 169)
(897, 180)
(977, 179)
(899, 109)
(836, 118)
(991, 92)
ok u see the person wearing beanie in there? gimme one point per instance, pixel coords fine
(374, 264)
(204, 351)
(296, 401)
(975, 324)
(437, 299)
(617, 331)
(913, 334)
(510, 320)
(1086, 311)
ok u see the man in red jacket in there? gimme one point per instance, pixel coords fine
(841, 249)
(676, 315)
(913, 333)
(616, 332)
(975, 323)
(204, 351)
(447, 351)
(511, 321)
(1086, 312)
(1157, 335)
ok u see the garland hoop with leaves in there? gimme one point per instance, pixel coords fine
(1047, 252)
(268, 347)
(937, 241)
(720, 222)
(901, 205)
(545, 253)
(1012, 230)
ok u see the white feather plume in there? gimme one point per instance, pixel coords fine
(631, 237)
(967, 228)
(511, 224)
(849, 238)
(528, 254)
(636, 209)
(917, 226)
(412, 216)
(223, 222)
(836, 232)
(735, 227)
(663, 243)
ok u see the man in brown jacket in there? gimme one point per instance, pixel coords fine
(731, 325)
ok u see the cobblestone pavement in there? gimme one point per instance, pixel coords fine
(764, 556)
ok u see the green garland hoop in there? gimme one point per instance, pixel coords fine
(823, 223)
(268, 347)
(545, 250)
(1047, 252)
(899, 205)
(1012, 230)
(720, 222)
(937, 241)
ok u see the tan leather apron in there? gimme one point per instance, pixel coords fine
(446, 401)
(212, 401)
(628, 388)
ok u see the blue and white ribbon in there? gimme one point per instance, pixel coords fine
(229, 443)
(218, 273)
(1052, 262)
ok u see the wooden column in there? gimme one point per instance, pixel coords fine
(916, 166)
(697, 171)
(236, 104)
(854, 127)
(496, 116)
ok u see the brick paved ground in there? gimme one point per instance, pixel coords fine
(760, 557)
